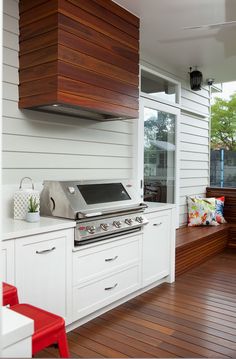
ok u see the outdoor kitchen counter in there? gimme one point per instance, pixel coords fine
(15, 228)
(157, 206)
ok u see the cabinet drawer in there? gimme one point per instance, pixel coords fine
(94, 262)
(98, 294)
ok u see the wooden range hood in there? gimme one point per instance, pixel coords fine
(79, 57)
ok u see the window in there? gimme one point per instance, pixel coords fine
(157, 150)
(159, 153)
(159, 88)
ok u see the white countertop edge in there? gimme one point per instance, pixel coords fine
(15, 327)
(157, 206)
(15, 228)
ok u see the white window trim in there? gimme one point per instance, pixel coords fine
(169, 79)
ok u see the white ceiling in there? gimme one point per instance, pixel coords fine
(164, 40)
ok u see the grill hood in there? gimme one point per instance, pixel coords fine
(83, 199)
(79, 58)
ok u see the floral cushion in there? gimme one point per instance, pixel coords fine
(220, 201)
(202, 212)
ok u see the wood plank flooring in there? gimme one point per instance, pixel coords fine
(193, 317)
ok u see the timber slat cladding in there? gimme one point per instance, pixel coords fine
(188, 235)
(120, 11)
(104, 27)
(95, 37)
(32, 31)
(52, 68)
(232, 236)
(229, 209)
(107, 15)
(76, 88)
(93, 51)
(191, 318)
(230, 201)
(186, 261)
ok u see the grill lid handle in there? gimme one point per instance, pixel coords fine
(88, 215)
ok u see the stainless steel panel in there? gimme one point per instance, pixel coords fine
(63, 199)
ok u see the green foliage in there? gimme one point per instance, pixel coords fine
(223, 124)
(33, 205)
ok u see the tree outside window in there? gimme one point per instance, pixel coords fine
(223, 141)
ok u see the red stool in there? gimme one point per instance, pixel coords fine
(48, 328)
(9, 294)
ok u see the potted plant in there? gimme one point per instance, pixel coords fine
(33, 210)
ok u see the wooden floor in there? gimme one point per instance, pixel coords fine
(193, 317)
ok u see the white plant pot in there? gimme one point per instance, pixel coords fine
(32, 216)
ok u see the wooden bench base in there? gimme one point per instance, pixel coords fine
(232, 236)
(194, 245)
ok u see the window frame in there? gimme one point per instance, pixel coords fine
(156, 105)
(156, 98)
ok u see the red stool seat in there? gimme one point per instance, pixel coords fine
(9, 294)
(48, 328)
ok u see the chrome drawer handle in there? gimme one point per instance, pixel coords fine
(46, 250)
(110, 288)
(111, 259)
(157, 224)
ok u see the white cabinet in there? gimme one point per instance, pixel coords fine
(79, 283)
(105, 273)
(158, 247)
(42, 269)
(7, 261)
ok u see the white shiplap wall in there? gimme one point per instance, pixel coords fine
(194, 146)
(46, 146)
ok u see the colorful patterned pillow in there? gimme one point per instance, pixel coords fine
(201, 212)
(220, 201)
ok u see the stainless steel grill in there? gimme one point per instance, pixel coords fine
(102, 209)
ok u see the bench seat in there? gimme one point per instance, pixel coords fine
(185, 236)
(194, 245)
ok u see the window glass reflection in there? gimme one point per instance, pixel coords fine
(159, 156)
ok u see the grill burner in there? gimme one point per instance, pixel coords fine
(102, 210)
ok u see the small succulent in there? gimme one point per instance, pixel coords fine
(33, 205)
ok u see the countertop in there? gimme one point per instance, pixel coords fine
(157, 206)
(15, 228)
(15, 327)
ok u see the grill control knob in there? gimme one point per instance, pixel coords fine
(104, 226)
(90, 229)
(128, 221)
(117, 224)
(139, 219)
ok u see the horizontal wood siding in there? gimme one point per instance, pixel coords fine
(195, 245)
(47, 146)
(79, 37)
(194, 147)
